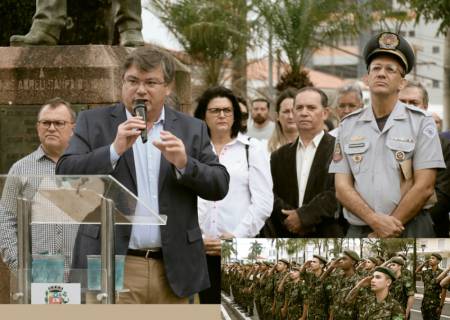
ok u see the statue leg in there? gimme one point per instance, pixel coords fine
(48, 21)
(129, 22)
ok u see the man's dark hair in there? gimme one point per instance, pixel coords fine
(148, 58)
(56, 102)
(323, 96)
(220, 92)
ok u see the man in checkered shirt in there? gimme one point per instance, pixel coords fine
(54, 127)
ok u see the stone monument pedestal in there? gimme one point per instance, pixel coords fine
(86, 76)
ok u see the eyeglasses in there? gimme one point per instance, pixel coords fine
(148, 84)
(216, 111)
(57, 124)
(390, 68)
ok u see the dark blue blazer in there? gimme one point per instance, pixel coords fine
(183, 252)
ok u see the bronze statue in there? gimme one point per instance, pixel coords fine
(51, 16)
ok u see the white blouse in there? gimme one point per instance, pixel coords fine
(249, 201)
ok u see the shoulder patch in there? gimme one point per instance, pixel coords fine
(430, 130)
(418, 110)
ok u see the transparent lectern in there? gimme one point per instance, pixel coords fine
(40, 217)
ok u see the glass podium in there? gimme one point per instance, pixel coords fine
(40, 218)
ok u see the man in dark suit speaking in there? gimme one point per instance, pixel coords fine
(305, 204)
(164, 264)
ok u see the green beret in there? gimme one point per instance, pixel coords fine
(386, 271)
(437, 256)
(284, 260)
(352, 254)
(374, 260)
(398, 261)
(388, 43)
(321, 258)
(296, 268)
(402, 255)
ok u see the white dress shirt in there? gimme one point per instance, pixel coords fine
(250, 198)
(304, 160)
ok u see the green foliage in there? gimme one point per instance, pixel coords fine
(255, 250)
(431, 10)
(387, 247)
(209, 31)
(227, 250)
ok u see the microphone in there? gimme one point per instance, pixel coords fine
(141, 110)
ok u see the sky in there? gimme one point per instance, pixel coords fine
(154, 31)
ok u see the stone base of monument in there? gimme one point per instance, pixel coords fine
(86, 76)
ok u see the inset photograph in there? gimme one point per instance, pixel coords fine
(333, 279)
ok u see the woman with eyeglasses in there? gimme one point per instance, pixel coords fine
(249, 202)
(285, 129)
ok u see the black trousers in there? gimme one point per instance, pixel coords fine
(212, 294)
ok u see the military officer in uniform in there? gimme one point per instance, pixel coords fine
(379, 305)
(386, 156)
(402, 289)
(433, 294)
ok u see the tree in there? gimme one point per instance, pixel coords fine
(437, 10)
(280, 245)
(255, 250)
(299, 27)
(210, 32)
(387, 247)
(227, 250)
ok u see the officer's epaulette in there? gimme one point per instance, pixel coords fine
(357, 111)
(416, 109)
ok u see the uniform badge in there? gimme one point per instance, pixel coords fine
(399, 155)
(357, 158)
(388, 41)
(337, 156)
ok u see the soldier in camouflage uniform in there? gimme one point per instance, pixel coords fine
(258, 288)
(269, 293)
(342, 284)
(280, 279)
(295, 295)
(366, 266)
(316, 302)
(434, 294)
(405, 271)
(379, 305)
(402, 289)
(247, 291)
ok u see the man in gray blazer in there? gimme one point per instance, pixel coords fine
(164, 264)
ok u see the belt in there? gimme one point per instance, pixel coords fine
(155, 253)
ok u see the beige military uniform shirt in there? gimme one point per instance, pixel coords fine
(374, 158)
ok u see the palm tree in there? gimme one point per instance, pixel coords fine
(280, 245)
(299, 27)
(227, 250)
(255, 250)
(209, 31)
